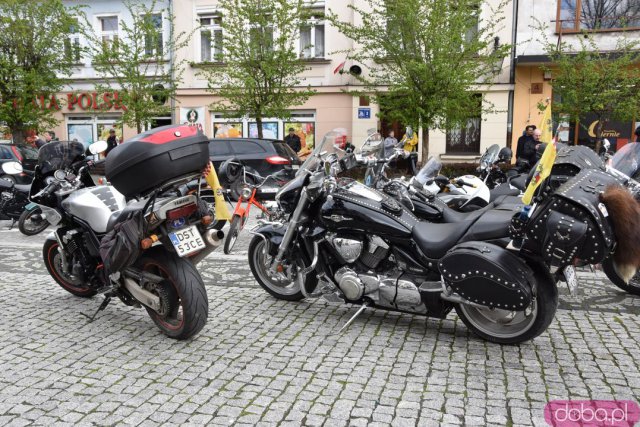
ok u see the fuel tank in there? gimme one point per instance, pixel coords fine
(355, 207)
(95, 205)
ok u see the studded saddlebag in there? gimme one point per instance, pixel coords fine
(487, 274)
(572, 222)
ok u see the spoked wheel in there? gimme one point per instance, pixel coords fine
(53, 262)
(32, 222)
(184, 306)
(237, 224)
(283, 284)
(513, 327)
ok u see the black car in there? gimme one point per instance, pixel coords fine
(26, 155)
(259, 156)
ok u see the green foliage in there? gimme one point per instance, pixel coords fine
(32, 35)
(426, 59)
(141, 65)
(586, 80)
(259, 71)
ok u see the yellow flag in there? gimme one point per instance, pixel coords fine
(543, 170)
(546, 125)
(221, 207)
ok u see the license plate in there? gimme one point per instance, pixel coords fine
(269, 190)
(295, 167)
(571, 279)
(187, 241)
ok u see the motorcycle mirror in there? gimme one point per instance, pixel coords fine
(441, 180)
(12, 168)
(98, 147)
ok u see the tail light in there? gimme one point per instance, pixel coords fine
(17, 153)
(278, 160)
(182, 211)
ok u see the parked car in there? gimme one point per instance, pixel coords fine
(26, 155)
(261, 156)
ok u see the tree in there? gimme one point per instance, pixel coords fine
(589, 81)
(140, 62)
(427, 58)
(258, 70)
(32, 34)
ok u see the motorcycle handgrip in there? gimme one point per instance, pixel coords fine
(463, 182)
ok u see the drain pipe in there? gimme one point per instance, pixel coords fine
(172, 100)
(512, 72)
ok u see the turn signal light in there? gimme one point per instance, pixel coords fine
(149, 241)
(182, 211)
(278, 160)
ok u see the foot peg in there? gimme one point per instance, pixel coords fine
(105, 303)
(350, 321)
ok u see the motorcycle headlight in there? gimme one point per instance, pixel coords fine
(246, 193)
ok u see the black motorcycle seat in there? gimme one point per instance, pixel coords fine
(502, 190)
(452, 216)
(120, 216)
(492, 225)
(519, 181)
(435, 239)
(23, 188)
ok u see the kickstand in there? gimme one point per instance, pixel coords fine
(105, 303)
(13, 222)
(350, 321)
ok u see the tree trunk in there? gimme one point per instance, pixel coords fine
(259, 125)
(425, 145)
(599, 129)
(18, 134)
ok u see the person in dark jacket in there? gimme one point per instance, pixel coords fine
(112, 141)
(637, 133)
(293, 140)
(526, 148)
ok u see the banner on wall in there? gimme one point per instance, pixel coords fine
(192, 116)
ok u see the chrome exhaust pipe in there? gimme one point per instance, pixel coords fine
(213, 239)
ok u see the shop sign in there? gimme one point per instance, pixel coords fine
(83, 101)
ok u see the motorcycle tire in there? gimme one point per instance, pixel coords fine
(232, 235)
(259, 261)
(633, 287)
(53, 262)
(183, 297)
(483, 322)
(26, 217)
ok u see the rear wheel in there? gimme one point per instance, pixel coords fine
(183, 297)
(610, 269)
(237, 222)
(53, 262)
(282, 285)
(514, 327)
(32, 222)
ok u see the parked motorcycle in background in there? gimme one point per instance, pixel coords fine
(15, 205)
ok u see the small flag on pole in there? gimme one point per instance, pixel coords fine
(339, 67)
(546, 125)
(212, 179)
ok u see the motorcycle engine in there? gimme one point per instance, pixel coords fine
(75, 248)
(351, 250)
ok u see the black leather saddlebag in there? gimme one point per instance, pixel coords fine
(570, 161)
(487, 274)
(573, 222)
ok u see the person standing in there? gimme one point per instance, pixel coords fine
(637, 134)
(112, 141)
(293, 140)
(390, 144)
(526, 148)
(40, 141)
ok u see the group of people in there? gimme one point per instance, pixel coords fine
(38, 141)
(528, 145)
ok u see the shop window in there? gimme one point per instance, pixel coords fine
(305, 130)
(227, 130)
(597, 15)
(269, 130)
(210, 38)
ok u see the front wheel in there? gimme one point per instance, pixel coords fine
(184, 306)
(283, 284)
(32, 222)
(237, 223)
(514, 327)
(53, 262)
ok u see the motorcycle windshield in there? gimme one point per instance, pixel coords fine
(490, 156)
(627, 159)
(333, 143)
(429, 171)
(373, 145)
(59, 155)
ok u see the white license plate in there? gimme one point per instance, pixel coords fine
(269, 190)
(295, 167)
(187, 241)
(571, 278)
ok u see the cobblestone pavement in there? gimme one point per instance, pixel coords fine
(263, 361)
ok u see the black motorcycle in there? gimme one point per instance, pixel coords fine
(15, 205)
(139, 239)
(350, 243)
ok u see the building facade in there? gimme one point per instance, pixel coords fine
(566, 20)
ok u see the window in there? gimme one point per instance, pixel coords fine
(466, 139)
(210, 38)
(261, 39)
(312, 36)
(227, 130)
(5, 153)
(72, 51)
(108, 26)
(219, 148)
(269, 130)
(247, 147)
(153, 42)
(597, 15)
